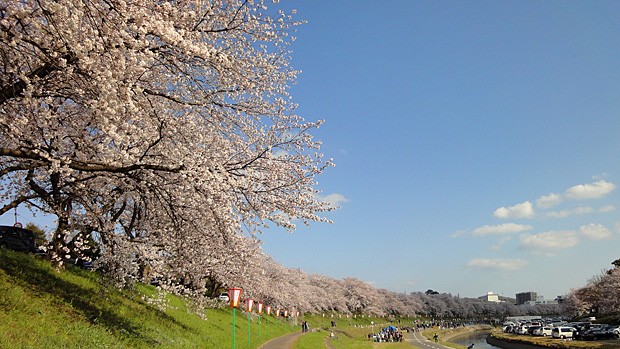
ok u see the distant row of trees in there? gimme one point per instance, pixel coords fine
(316, 293)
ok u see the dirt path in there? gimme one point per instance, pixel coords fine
(328, 343)
(284, 342)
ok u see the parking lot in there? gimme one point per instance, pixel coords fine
(557, 329)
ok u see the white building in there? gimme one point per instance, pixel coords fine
(492, 297)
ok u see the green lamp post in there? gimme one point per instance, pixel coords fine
(234, 295)
(259, 311)
(249, 303)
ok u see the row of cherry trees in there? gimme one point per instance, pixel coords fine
(317, 293)
(265, 280)
(600, 296)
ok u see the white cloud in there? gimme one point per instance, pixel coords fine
(595, 231)
(607, 208)
(594, 190)
(567, 213)
(550, 241)
(500, 243)
(497, 264)
(458, 233)
(522, 210)
(334, 199)
(506, 228)
(550, 200)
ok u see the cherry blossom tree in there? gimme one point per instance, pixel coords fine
(361, 297)
(610, 287)
(327, 294)
(162, 128)
(599, 295)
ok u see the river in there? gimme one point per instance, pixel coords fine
(479, 338)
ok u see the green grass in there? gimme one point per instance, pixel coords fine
(312, 340)
(349, 333)
(43, 308)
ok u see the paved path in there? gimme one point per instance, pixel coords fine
(417, 339)
(283, 342)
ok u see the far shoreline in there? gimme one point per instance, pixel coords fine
(449, 335)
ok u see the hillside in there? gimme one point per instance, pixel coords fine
(43, 308)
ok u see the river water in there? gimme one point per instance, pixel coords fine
(479, 338)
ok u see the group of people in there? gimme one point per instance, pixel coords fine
(388, 334)
(305, 327)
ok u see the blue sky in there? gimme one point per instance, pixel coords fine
(441, 113)
(476, 143)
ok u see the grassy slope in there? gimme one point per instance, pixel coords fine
(42, 308)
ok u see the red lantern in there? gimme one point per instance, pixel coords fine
(234, 294)
(260, 308)
(249, 303)
(269, 310)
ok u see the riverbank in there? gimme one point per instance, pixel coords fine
(445, 336)
(448, 335)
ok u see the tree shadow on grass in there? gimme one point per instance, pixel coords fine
(41, 278)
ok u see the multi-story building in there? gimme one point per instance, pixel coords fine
(492, 297)
(541, 301)
(524, 297)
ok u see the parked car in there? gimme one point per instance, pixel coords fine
(509, 328)
(543, 331)
(17, 239)
(582, 327)
(521, 329)
(223, 297)
(606, 332)
(531, 329)
(562, 332)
